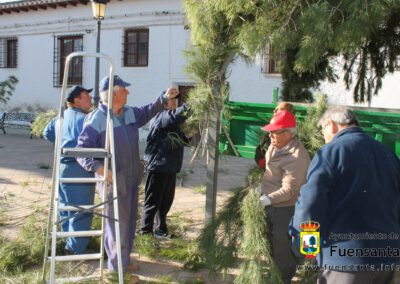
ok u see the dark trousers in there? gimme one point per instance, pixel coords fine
(159, 195)
(361, 277)
(281, 245)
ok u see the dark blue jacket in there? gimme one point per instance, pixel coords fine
(165, 142)
(353, 191)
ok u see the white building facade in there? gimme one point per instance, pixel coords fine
(145, 39)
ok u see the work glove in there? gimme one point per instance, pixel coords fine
(258, 190)
(265, 201)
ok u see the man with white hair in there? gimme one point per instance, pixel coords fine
(285, 172)
(127, 121)
(353, 192)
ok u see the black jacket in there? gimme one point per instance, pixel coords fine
(165, 142)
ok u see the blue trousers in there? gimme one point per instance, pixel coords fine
(76, 194)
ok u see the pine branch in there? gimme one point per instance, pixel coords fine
(258, 265)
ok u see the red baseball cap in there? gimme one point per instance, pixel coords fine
(280, 120)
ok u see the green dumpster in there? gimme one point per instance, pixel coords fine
(245, 120)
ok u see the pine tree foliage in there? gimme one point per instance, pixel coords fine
(221, 31)
(7, 88)
(307, 129)
(257, 266)
(364, 33)
(312, 34)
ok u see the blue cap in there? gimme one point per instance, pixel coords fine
(74, 92)
(104, 84)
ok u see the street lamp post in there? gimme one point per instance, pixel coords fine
(99, 10)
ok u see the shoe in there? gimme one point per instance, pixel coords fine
(131, 279)
(69, 252)
(134, 266)
(161, 235)
(110, 277)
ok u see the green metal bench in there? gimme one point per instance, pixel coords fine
(17, 120)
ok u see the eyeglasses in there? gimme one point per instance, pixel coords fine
(322, 127)
(275, 133)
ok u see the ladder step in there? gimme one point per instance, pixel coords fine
(81, 180)
(90, 233)
(79, 279)
(85, 152)
(76, 257)
(73, 208)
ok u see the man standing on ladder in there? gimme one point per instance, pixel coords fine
(79, 103)
(127, 121)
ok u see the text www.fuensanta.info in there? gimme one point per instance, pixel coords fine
(364, 267)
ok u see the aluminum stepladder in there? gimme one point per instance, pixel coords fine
(108, 154)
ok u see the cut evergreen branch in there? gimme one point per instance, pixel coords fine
(308, 276)
(257, 266)
(307, 129)
(219, 240)
(26, 250)
(178, 224)
(254, 177)
(178, 248)
(174, 141)
(41, 120)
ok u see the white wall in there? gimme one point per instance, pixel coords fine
(36, 30)
(249, 84)
(388, 96)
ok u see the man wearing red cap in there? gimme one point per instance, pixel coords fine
(285, 172)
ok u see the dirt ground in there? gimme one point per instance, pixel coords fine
(25, 184)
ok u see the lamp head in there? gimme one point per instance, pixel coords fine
(99, 9)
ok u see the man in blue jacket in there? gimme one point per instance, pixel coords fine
(79, 103)
(127, 121)
(353, 192)
(164, 155)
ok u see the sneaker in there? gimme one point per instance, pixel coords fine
(161, 235)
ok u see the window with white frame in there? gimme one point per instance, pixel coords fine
(63, 46)
(136, 48)
(271, 61)
(8, 52)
